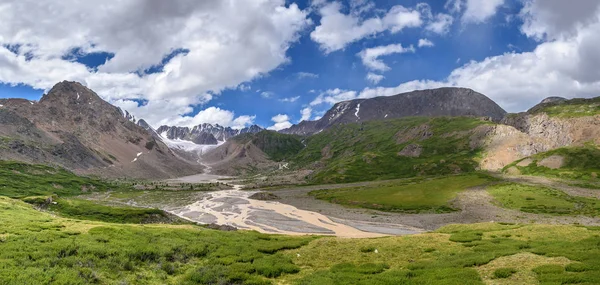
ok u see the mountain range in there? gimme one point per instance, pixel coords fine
(438, 131)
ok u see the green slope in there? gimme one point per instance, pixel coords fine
(579, 163)
(569, 109)
(370, 151)
(277, 146)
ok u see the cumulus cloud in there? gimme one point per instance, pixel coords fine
(147, 34)
(281, 121)
(333, 96)
(425, 43)
(370, 56)
(337, 29)
(478, 11)
(374, 78)
(306, 113)
(440, 24)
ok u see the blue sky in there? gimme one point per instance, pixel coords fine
(485, 47)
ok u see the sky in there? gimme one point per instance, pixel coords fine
(275, 63)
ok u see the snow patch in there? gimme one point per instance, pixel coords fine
(134, 160)
(77, 95)
(31, 103)
(357, 110)
(139, 153)
(386, 115)
(188, 145)
(1, 105)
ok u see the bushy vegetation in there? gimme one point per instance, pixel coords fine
(543, 200)
(404, 260)
(36, 248)
(19, 180)
(371, 150)
(415, 195)
(88, 210)
(276, 145)
(569, 109)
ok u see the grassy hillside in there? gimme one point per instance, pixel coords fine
(543, 200)
(19, 180)
(277, 146)
(578, 163)
(415, 195)
(372, 150)
(37, 248)
(571, 108)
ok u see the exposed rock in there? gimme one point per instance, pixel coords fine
(421, 132)
(205, 134)
(264, 196)
(525, 162)
(411, 150)
(225, 228)
(552, 162)
(431, 103)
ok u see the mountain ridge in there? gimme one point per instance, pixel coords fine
(446, 101)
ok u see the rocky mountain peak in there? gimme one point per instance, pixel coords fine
(448, 101)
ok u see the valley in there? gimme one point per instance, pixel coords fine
(443, 194)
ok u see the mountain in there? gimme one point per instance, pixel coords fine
(205, 134)
(430, 103)
(252, 152)
(73, 127)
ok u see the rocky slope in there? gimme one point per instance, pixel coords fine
(204, 134)
(554, 123)
(73, 127)
(429, 103)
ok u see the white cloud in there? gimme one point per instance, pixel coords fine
(266, 94)
(555, 19)
(454, 6)
(374, 78)
(211, 115)
(370, 56)
(478, 11)
(333, 96)
(441, 24)
(337, 30)
(303, 75)
(281, 122)
(141, 34)
(425, 43)
(564, 65)
(290, 99)
(306, 113)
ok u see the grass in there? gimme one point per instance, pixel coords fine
(543, 200)
(407, 196)
(571, 108)
(505, 272)
(369, 151)
(88, 210)
(37, 248)
(579, 163)
(19, 180)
